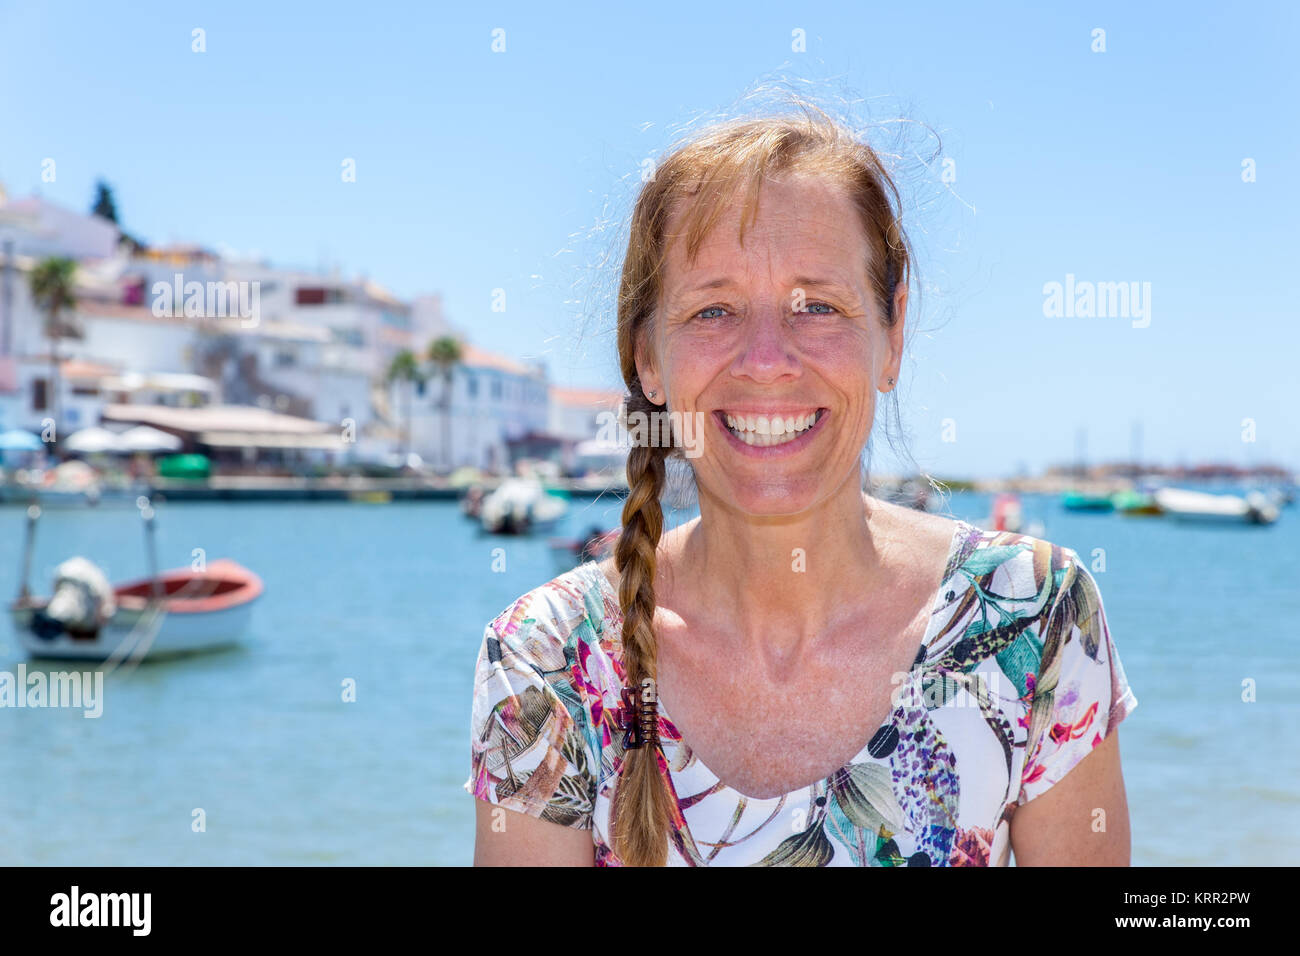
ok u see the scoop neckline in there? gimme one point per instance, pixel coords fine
(960, 533)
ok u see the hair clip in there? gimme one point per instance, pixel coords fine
(639, 720)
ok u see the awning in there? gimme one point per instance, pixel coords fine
(327, 441)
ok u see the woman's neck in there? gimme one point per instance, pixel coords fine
(780, 582)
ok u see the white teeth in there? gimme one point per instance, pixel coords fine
(762, 431)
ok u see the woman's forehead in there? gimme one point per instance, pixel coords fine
(806, 256)
(807, 227)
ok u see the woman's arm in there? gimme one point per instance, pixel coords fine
(1080, 821)
(508, 838)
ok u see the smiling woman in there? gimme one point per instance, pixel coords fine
(803, 675)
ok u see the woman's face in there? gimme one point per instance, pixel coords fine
(753, 344)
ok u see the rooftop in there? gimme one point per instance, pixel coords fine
(216, 418)
(475, 357)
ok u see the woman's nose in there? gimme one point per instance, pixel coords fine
(767, 350)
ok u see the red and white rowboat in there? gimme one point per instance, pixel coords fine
(176, 612)
(193, 611)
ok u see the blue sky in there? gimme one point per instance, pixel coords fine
(479, 170)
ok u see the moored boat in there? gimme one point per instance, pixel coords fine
(1185, 505)
(1083, 501)
(1007, 515)
(181, 611)
(596, 545)
(197, 611)
(521, 506)
(1138, 503)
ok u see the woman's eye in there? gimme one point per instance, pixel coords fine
(820, 305)
(703, 313)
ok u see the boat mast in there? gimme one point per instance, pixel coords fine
(33, 512)
(150, 546)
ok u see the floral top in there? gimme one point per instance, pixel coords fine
(1017, 679)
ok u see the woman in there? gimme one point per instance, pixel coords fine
(803, 675)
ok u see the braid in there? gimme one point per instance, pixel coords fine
(640, 813)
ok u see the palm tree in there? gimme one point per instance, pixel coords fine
(446, 353)
(405, 368)
(53, 289)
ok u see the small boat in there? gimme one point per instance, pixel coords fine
(69, 484)
(1132, 502)
(471, 502)
(1283, 497)
(1082, 501)
(596, 545)
(181, 611)
(1008, 516)
(521, 506)
(1184, 505)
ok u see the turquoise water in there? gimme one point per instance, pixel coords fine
(395, 598)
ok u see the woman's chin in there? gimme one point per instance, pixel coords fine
(775, 499)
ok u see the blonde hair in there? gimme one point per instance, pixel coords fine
(701, 176)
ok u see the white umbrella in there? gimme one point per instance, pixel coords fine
(144, 438)
(91, 440)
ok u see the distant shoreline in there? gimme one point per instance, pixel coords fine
(380, 490)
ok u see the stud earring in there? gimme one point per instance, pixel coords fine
(653, 394)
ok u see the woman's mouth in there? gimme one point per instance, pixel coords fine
(770, 431)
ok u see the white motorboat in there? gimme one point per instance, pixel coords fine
(1182, 504)
(520, 506)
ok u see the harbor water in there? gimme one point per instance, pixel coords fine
(258, 755)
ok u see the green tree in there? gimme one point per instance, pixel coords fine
(446, 353)
(405, 368)
(53, 288)
(104, 205)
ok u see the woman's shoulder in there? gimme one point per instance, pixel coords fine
(1002, 578)
(1011, 595)
(547, 623)
(1012, 563)
(534, 726)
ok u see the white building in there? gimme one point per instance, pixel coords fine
(356, 313)
(580, 414)
(319, 348)
(494, 400)
(39, 228)
(295, 359)
(583, 418)
(429, 323)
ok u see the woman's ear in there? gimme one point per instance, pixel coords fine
(646, 372)
(889, 374)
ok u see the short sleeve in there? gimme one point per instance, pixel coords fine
(1081, 693)
(527, 740)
